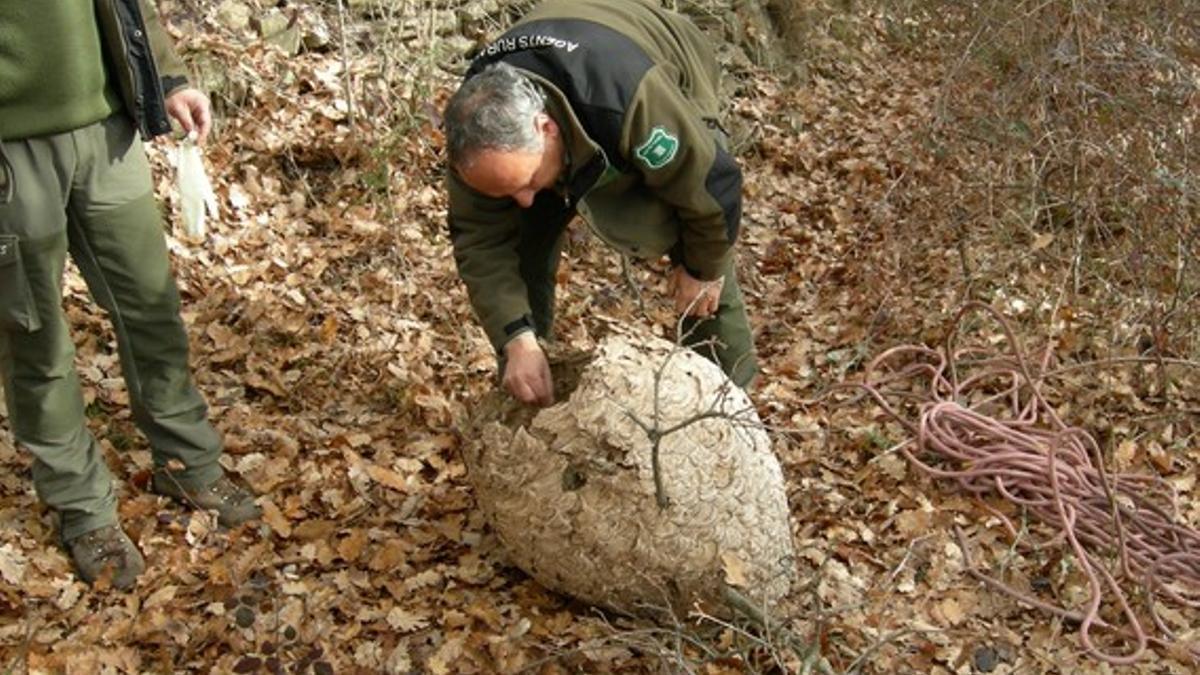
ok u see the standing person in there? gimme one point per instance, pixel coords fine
(81, 83)
(606, 109)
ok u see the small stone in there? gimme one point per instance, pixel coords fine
(985, 659)
(317, 35)
(244, 617)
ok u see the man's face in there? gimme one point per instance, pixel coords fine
(518, 174)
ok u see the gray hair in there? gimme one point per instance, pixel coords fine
(493, 110)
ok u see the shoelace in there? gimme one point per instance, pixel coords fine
(225, 490)
(104, 548)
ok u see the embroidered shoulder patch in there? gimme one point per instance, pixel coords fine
(658, 149)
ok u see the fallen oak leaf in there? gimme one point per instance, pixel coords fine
(404, 621)
(160, 597)
(735, 570)
(379, 474)
(274, 518)
(351, 547)
(389, 557)
(12, 564)
(387, 477)
(311, 530)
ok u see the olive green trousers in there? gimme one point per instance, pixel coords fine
(88, 192)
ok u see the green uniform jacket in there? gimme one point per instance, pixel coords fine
(634, 89)
(144, 78)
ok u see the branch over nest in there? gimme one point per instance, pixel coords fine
(578, 492)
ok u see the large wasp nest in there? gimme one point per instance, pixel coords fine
(575, 497)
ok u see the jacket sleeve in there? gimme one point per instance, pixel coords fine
(172, 73)
(668, 140)
(484, 233)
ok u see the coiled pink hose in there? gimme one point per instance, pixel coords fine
(982, 422)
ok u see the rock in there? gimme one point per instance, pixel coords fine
(474, 13)
(317, 35)
(571, 491)
(280, 30)
(234, 15)
(985, 659)
(273, 21)
(213, 76)
(379, 7)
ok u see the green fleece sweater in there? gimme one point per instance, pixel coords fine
(52, 72)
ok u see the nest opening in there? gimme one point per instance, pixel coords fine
(566, 369)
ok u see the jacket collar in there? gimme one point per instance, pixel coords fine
(586, 162)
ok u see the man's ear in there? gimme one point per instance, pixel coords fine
(546, 125)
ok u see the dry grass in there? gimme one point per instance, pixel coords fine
(1072, 126)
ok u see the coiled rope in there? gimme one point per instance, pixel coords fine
(981, 421)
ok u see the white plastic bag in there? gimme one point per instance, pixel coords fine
(195, 192)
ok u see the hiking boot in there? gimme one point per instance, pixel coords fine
(233, 503)
(106, 551)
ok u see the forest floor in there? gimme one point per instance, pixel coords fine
(338, 353)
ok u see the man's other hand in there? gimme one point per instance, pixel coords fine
(695, 297)
(527, 373)
(191, 108)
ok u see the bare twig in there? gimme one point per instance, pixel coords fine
(810, 653)
(347, 76)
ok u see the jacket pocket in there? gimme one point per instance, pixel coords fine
(17, 308)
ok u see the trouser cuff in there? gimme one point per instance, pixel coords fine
(73, 524)
(194, 478)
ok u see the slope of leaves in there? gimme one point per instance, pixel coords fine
(336, 348)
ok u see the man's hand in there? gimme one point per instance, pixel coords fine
(694, 297)
(527, 374)
(190, 107)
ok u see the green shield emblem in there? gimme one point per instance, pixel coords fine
(658, 149)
